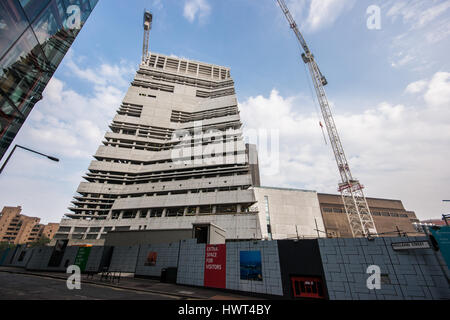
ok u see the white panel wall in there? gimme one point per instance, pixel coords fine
(292, 212)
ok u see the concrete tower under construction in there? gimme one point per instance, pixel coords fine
(174, 156)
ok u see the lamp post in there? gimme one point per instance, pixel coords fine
(18, 146)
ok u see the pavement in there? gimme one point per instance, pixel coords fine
(18, 283)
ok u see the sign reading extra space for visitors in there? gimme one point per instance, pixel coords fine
(215, 266)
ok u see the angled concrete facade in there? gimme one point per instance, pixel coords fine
(289, 213)
(174, 156)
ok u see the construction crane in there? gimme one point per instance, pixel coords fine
(355, 203)
(147, 27)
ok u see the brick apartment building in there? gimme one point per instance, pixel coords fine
(16, 228)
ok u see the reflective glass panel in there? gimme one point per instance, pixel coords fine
(33, 7)
(12, 24)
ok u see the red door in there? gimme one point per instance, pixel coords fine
(307, 287)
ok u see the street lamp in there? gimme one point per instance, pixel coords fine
(14, 149)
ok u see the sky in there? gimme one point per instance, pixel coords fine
(389, 89)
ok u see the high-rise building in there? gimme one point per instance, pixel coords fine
(174, 156)
(34, 37)
(16, 228)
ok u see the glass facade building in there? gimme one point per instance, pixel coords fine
(34, 37)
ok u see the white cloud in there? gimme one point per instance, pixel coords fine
(105, 74)
(416, 87)
(196, 8)
(71, 124)
(438, 94)
(417, 13)
(398, 151)
(421, 35)
(318, 14)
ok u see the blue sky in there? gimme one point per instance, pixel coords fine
(389, 88)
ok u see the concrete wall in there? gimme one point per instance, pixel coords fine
(413, 274)
(167, 256)
(238, 226)
(140, 237)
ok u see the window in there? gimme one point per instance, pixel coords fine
(191, 210)
(175, 212)
(129, 214)
(307, 287)
(143, 213)
(205, 209)
(156, 212)
(122, 228)
(223, 208)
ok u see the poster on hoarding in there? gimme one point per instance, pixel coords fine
(215, 266)
(151, 259)
(82, 257)
(250, 265)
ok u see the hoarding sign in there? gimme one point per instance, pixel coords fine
(82, 257)
(215, 266)
(410, 245)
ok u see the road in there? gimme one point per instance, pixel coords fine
(30, 287)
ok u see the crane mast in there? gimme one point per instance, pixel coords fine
(356, 207)
(147, 27)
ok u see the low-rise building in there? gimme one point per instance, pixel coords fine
(390, 217)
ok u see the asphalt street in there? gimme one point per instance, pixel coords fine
(30, 287)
